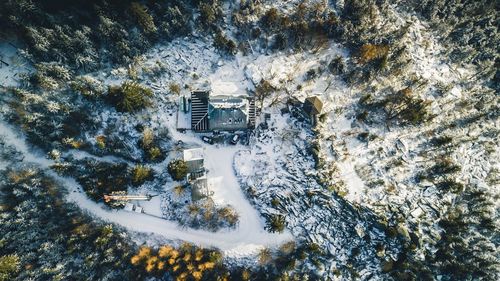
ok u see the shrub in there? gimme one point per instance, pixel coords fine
(154, 153)
(370, 52)
(440, 141)
(271, 18)
(147, 137)
(144, 19)
(174, 88)
(225, 44)
(140, 174)
(101, 141)
(281, 41)
(177, 169)
(265, 256)
(186, 262)
(287, 248)
(311, 74)
(179, 189)
(130, 96)
(228, 214)
(450, 185)
(50, 76)
(98, 178)
(406, 107)
(9, 265)
(444, 166)
(87, 86)
(337, 66)
(263, 90)
(209, 13)
(276, 223)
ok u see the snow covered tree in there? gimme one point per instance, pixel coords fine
(145, 20)
(9, 266)
(178, 169)
(130, 96)
(140, 174)
(276, 223)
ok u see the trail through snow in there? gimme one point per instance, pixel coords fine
(248, 238)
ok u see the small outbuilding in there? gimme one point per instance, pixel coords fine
(129, 207)
(194, 160)
(199, 189)
(312, 108)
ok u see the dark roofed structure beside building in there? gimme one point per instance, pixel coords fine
(199, 110)
(313, 105)
(312, 108)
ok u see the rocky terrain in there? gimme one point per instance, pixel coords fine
(397, 180)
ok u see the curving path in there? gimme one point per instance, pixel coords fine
(246, 239)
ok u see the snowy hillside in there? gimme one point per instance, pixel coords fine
(370, 152)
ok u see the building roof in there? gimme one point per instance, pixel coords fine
(222, 111)
(228, 113)
(313, 105)
(199, 188)
(193, 154)
(129, 207)
(199, 110)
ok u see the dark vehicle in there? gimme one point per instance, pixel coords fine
(208, 140)
(235, 139)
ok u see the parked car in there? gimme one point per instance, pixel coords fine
(208, 140)
(235, 139)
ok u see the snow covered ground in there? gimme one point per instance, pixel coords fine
(247, 239)
(9, 74)
(277, 170)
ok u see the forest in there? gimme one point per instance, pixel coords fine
(86, 93)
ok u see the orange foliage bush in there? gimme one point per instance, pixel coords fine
(187, 262)
(369, 52)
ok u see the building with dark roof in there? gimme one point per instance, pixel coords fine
(312, 108)
(221, 112)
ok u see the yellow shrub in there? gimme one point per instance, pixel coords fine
(197, 275)
(144, 252)
(154, 152)
(135, 259)
(209, 265)
(161, 265)
(245, 275)
(182, 276)
(101, 141)
(174, 254)
(199, 255)
(140, 173)
(165, 251)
